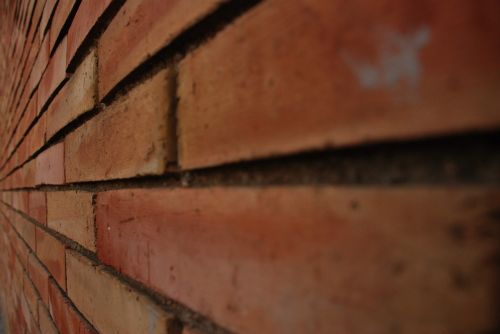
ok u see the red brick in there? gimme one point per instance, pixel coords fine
(87, 15)
(71, 213)
(50, 165)
(116, 308)
(25, 229)
(403, 70)
(31, 296)
(20, 200)
(41, 62)
(66, 318)
(47, 13)
(39, 276)
(61, 14)
(131, 137)
(51, 253)
(54, 75)
(36, 137)
(46, 323)
(148, 25)
(78, 95)
(22, 249)
(308, 259)
(38, 206)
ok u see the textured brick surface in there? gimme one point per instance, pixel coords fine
(71, 214)
(148, 25)
(139, 143)
(52, 253)
(254, 91)
(116, 308)
(231, 254)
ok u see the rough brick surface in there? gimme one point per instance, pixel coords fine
(139, 122)
(249, 166)
(231, 254)
(148, 25)
(116, 309)
(254, 91)
(72, 214)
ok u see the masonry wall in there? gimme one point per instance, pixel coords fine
(273, 166)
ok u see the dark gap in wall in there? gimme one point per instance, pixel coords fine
(65, 27)
(468, 159)
(95, 32)
(187, 40)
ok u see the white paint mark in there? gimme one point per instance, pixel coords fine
(397, 61)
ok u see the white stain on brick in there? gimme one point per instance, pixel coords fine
(398, 60)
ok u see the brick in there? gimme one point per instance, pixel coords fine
(20, 200)
(31, 296)
(116, 308)
(48, 9)
(61, 14)
(65, 316)
(86, 17)
(25, 229)
(78, 95)
(131, 137)
(149, 25)
(36, 137)
(39, 276)
(404, 70)
(41, 62)
(50, 165)
(46, 323)
(310, 259)
(51, 253)
(54, 75)
(38, 206)
(71, 213)
(22, 249)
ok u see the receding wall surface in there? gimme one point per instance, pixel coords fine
(250, 166)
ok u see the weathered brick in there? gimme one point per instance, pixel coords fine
(130, 137)
(116, 308)
(299, 75)
(39, 276)
(51, 253)
(46, 323)
(31, 296)
(50, 165)
(65, 316)
(61, 14)
(37, 206)
(77, 96)
(148, 25)
(54, 75)
(71, 213)
(310, 259)
(86, 17)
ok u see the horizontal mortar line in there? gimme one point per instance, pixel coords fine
(46, 269)
(466, 159)
(182, 312)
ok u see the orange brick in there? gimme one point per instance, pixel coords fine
(86, 17)
(41, 62)
(25, 229)
(39, 276)
(31, 296)
(129, 138)
(78, 95)
(54, 75)
(310, 259)
(65, 315)
(61, 14)
(46, 323)
(298, 75)
(51, 253)
(116, 308)
(50, 165)
(148, 25)
(37, 206)
(71, 213)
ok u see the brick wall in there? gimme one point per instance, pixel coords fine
(250, 166)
